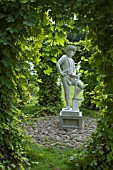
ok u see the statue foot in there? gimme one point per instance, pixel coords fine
(67, 108)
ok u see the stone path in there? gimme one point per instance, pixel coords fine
(46, 132)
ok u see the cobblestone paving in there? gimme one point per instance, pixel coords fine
(46, 132)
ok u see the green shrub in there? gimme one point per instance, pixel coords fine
(97, 153)
(50, 93)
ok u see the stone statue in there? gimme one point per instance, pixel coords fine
(66, 68)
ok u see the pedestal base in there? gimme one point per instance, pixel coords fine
(70, 119)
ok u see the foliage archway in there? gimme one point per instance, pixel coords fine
(19, 20)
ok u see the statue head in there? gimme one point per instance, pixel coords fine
(70, 48)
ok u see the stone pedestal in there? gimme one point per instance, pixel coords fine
(71, 118)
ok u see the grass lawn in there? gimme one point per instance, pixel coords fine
(47, 158)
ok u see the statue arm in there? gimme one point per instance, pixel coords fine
(59, 63)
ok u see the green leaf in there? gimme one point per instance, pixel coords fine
(10, 29)
(9, 168)
(82, 58)
(13, 165)
(3, 40)
(101, 32)
(6, 62)
(108, 147)
(28, 22)
(48, 71)
(94, 162)
(39, 80)
(10, 19)
(6, 82)
(101, 152)
(2, 16)
(37, 60)
(53, 60)
(24, 1)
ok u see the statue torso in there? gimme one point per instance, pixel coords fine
(68, 64)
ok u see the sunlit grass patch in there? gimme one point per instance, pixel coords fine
(49, 158)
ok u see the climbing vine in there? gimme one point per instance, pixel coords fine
(17, 20)
(22, 23)
(24, 20)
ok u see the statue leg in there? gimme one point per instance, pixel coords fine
(67, 98)
(78, 88)
(66, 93)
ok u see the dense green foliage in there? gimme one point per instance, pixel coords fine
(49, 94)
(13, 70)
(88, 75)
(24, 26)
(97, 18)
